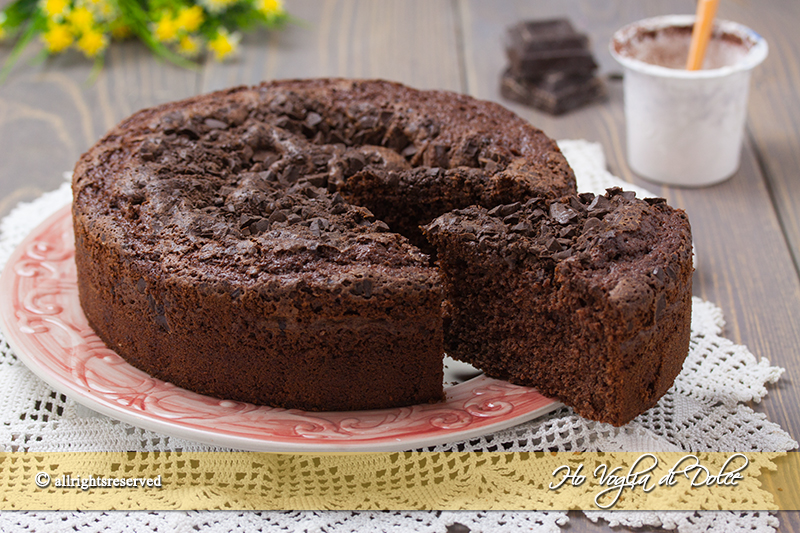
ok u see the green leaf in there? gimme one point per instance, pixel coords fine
(28, 34)
(19, 12)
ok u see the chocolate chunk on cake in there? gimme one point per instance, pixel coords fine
(262, 243)
(587, 298)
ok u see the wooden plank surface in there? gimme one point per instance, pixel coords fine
(745, 229)
(51, 113)
(411, 41)
(774, 112)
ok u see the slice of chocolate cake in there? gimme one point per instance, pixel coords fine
(587, 298)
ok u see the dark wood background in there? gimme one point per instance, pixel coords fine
(746, 230)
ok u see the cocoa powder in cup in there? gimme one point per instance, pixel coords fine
(685, 127)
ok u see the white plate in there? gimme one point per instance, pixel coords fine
(44, 324)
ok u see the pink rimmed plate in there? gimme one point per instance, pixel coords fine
(44, 324)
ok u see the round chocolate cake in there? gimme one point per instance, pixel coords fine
(263, 243)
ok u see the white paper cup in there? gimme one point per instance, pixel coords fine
(685, 127)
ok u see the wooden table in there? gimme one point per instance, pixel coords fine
(746, 230)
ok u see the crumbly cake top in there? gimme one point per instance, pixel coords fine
(615, 243)
(245, 181)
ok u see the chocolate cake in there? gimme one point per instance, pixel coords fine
(262, 243)
(587, 298)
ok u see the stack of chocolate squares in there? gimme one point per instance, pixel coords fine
(551, 67)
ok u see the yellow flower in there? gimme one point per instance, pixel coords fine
(54, 8)
(216, 6)
(81, 18)
(189, 46)
(92, 42)
(3, 33)
(190, 19)
(270, 7)
(166, 29)
(57, 38)
(224, 44)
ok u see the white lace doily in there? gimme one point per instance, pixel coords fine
(704, 411)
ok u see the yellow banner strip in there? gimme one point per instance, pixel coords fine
(399, 481)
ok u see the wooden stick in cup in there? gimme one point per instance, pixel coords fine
(701, 33)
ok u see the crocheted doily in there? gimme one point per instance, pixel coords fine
(704, 411)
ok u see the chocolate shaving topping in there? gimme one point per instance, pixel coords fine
(409, 151)
(275, 166)
(215, 124)
(505, 210)
(489, 165)
(524, 227)
(591, 223)
(246, 220)
(278, 216)
(576, 204)
(537, 213)
(562, 213)
(317, 180)
(655, 201)
(259, 225)
(599, 206)
(531, 202)
(552, 245)
(568, 232)
(319, 225)
(312, 119)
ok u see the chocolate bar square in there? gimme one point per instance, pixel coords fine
(529, 37)
(539, 46)
(554, 96)
(570, 61)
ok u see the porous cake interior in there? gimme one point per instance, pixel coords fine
(585, 298)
